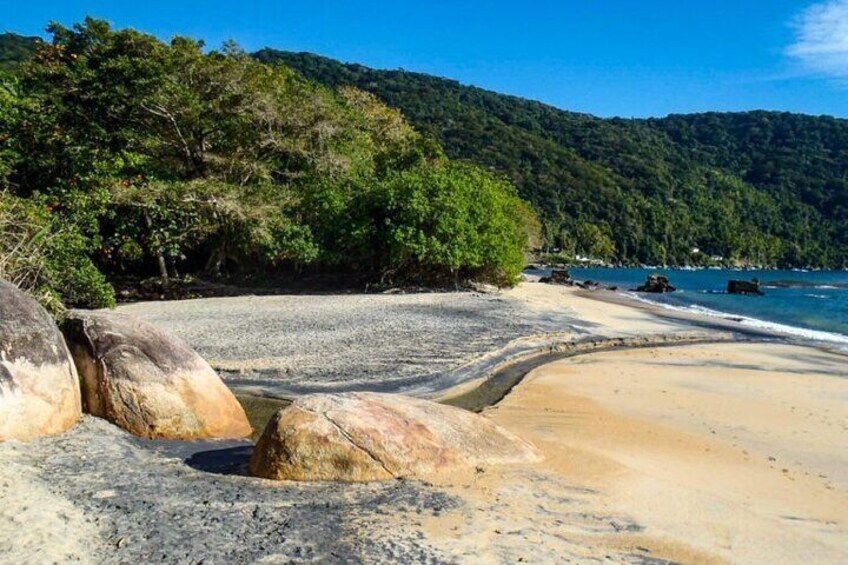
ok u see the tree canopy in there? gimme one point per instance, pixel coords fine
(141, 157)
(152, 157)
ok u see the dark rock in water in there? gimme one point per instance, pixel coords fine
(749, 288)
(148, 382)
(558, 276)
(39, 388)
(657, 284)
(589, 284)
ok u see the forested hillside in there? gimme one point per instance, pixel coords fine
(761, 188)
(123, 156)
(16, 48)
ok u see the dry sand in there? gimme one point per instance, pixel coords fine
(417, 344)
(725, 452)
(290, 345)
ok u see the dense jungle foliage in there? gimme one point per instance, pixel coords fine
(756, 188)
(122, 156)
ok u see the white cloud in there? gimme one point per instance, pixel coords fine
(821, 39)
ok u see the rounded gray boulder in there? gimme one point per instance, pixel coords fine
(39, 387)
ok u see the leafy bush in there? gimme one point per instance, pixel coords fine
(42, 255)
(452, 222)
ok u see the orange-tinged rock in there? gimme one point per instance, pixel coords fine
(39, 389)
(148, 382)
(374, 436)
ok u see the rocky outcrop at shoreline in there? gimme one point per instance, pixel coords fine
(39, 394)
(748, 288)
(656, 284)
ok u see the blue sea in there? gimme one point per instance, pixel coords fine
(808, 304)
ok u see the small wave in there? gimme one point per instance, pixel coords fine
(817, 296)
(793, 331)
(804, 284)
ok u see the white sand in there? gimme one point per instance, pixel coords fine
(36, 525)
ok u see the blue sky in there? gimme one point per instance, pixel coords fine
(606, 57)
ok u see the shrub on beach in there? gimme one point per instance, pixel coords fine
(453, 222)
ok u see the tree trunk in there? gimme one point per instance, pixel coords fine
(213, 265)
(163, 267)
(160, 259)
(174, 272)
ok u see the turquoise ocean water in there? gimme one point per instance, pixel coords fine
(810, 304)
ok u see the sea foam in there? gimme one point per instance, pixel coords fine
(805, 334)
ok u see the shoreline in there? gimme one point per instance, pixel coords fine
(485, 379)
(490, 388)
(742, 322)
(711, 319)
(601, 492)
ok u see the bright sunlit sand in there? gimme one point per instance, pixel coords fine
(737, 451)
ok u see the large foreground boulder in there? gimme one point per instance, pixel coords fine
(148, 382)
(39, 388)
(373, 436)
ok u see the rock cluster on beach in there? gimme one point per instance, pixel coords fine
(153, 385)
(373, 436)
(39, 394)
(558, 276)
(148, 382)
(563, 277)
(133, 374)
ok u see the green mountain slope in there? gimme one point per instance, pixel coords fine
(756, 187)
(15, 49)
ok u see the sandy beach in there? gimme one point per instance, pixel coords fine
(735, 451)
(666, 438)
